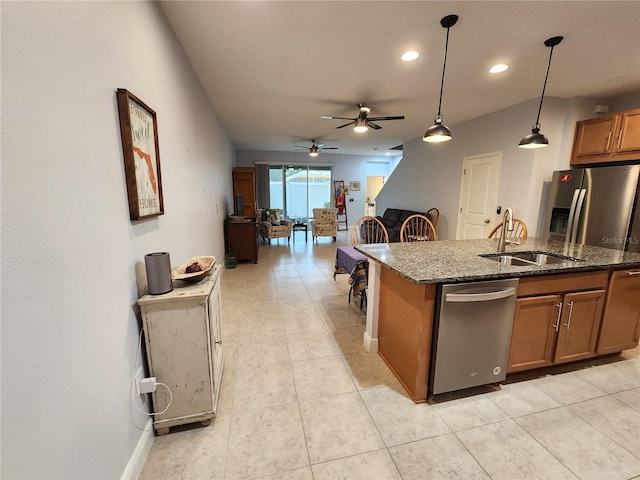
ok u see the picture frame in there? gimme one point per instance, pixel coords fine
(355, 186)
(347, 191)
(139, 132)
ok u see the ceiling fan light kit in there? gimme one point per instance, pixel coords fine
(439, 132)
(535, 139)
(362, 122)
(315, 148)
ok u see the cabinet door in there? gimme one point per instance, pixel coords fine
(579, 326)
(621, 318)
(215, 326)
(595, 136)
(629, 134)
(244, 183)
(535, 325)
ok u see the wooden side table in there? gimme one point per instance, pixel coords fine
(299, 227)
(242, 238)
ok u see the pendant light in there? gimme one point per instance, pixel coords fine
(535, 139)
(439, 132)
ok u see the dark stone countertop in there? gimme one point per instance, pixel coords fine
(452, 261)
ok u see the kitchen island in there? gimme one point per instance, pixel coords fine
(404, 282)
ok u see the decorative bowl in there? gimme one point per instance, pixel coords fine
(180, 273)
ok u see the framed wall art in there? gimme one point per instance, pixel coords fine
(139, 131)
(355, 186)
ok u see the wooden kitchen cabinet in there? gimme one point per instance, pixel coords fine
(244, 183)
(242, 239)
(621, 319)
(555, 322)
(609, 138)
(533, 338)
(579, 324)
(183, 338)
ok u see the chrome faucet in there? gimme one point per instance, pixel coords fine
(507, 225)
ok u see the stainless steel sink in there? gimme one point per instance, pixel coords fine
(523, 259)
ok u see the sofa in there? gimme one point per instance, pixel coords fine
(271, 225)
(392, 220)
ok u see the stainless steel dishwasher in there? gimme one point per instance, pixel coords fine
(473, 334)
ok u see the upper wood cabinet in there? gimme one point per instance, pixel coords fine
(611, 138)
(244, 183)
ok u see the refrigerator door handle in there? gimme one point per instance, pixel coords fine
(572, 212)
(574, 233)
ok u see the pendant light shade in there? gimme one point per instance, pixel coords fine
(439, 132)
(535, 139)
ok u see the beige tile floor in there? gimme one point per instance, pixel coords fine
(301, 399)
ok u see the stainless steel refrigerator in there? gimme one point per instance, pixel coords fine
(596, 206)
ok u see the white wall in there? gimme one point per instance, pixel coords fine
(345, 167)
(430, 174)
(69, 250)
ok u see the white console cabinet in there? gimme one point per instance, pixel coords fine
(183, 336)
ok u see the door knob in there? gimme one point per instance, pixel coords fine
(487, 220)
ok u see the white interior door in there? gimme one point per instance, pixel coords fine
(479, 196)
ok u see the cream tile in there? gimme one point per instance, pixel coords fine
(567, 388)
(441, 457)
(349, 340)
(507, 452)
(609, 378)
(584, 450)
(470, 412)
(371, 465)
(630, 397)
(321, 377)
(303, 322)
(263, 385)
(265, 442)
(615, 419)
(518, 399)
(630, 366)
(186, 453)
(399, 419)
(319, 279)
(338, 426)
(268, 349)
(369, 371)
(310, 345)
(297, 474)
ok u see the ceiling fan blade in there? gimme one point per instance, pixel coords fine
(327, 117)
(320, 145)
(373, 125)
(346, 124)
(378, 119)
(328, 148)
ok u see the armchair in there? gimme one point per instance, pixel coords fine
(324, 223)
(271, 226)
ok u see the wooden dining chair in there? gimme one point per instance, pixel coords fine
(369, 229)
(519, 230)
(433, 214)
(418, 228)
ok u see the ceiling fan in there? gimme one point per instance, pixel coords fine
(315, 148)
(362, 121)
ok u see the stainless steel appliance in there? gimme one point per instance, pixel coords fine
(473, 334)
(596, 206)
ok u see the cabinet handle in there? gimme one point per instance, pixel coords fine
(557, 324)
(219, 342)
(633, 273)
(608, 142)
(619, 140)
(568, 324)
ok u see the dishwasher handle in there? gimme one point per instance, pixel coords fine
(481, 296)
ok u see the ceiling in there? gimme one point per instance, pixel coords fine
(272, 68)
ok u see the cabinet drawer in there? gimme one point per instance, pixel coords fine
(568, 282)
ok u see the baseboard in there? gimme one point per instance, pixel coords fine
(139, 456)
(370, 344)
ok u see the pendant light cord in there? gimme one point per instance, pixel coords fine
(444, 66)
(544, 87)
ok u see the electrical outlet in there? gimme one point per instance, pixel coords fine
(137, 379)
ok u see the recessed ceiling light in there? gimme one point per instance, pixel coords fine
(410, 55)
(500, 67)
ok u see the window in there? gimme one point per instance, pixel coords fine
(298, 189)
